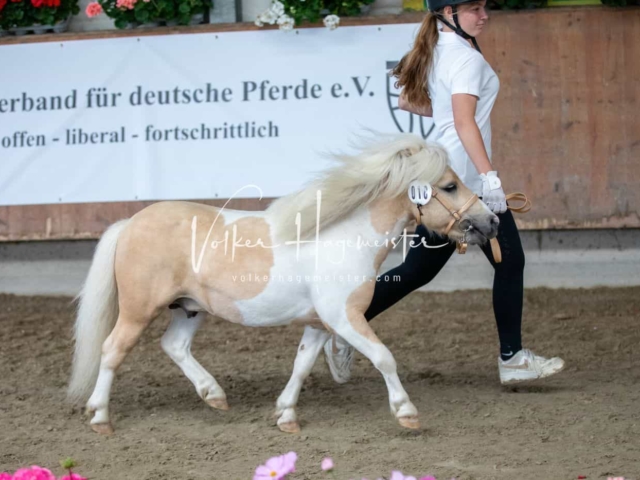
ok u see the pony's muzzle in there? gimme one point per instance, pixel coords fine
(478, 229)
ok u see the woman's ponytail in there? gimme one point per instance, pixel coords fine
(413, 70)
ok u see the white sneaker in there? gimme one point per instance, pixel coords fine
(525, 366)
(339, 357)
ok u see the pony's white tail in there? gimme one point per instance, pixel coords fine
(97, 314)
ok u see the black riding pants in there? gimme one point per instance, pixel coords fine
(423, 264)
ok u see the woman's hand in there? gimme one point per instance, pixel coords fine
(492, 193)
(403, 104)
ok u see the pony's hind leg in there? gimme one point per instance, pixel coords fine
(115, 348)
(310, 346)
(176, 343)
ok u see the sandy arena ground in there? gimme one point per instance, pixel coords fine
(586, 421)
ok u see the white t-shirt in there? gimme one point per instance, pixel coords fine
(460, 68)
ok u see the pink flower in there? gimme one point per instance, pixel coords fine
(93, 9)
(395, 475)
(428, 477)
(125, 4)
(327, 464)
(5, 476)
(277, 468)
(74, 476)
(33, 473)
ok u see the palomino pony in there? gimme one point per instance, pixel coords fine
(308, 259)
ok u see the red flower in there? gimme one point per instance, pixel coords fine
(2, 4)
(45, 3)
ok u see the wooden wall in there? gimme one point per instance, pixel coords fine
(566, 124)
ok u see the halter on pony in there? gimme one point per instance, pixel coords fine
(421, 196)
(456, 214)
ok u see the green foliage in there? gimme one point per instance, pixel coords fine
(154, 11)
(27, 13)
(314, 10)
(67, 463)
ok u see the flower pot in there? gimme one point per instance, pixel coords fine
(364, 10)
(144, 25)
(196, 19)
(37, 29)
(252, 8)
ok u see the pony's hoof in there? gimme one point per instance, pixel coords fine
(218, 403)
(409, 422)
(289, 427)
(102, 428)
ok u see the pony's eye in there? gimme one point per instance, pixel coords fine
(450, 188)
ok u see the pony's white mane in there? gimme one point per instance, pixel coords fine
(384, 168)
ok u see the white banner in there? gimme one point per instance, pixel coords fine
(191, 116)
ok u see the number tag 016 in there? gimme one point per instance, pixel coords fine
(420, 193)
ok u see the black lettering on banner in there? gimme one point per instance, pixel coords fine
(359, 87)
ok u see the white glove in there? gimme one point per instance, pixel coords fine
(492, 193)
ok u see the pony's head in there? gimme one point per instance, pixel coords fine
(446, 206)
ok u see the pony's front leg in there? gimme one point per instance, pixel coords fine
(310, 346)
(352, 326)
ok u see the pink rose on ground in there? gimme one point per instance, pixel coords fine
(277, 468)
(327, 464)
(93, 9)
(34, 473)
(74, 476)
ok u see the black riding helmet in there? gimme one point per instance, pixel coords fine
(435, 5)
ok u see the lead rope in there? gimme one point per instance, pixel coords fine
(495, 246)
(524, 208)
